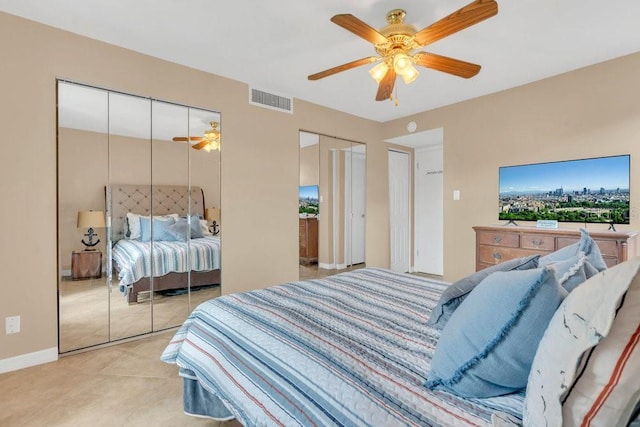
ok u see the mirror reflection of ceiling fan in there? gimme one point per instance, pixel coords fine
(396, 43)
(209, 142)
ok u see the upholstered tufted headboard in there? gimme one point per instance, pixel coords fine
(167, 199)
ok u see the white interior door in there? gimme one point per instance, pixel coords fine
(428, 198)
(399, 211)
(355, 207)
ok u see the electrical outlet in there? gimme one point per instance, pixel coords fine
(12, 325)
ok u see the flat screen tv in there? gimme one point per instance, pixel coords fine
(308, 200)
(594, 190)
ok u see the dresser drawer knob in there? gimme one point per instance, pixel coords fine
(497, 256)
(537, 242)
(497, 239)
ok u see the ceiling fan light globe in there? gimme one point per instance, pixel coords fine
(410, 74)
(402, 63)
(379, 71)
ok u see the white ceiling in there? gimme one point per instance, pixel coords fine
(97, 110)
(274, 45)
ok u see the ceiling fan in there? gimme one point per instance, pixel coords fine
(209, 142)
(396, 42)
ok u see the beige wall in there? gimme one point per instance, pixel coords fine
(259, 166)
(309, 162)
(593, 111)
(589, 112)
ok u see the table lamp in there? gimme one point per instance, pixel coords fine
(90, 220)
(212, 215)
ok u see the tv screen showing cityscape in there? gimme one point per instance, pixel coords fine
(308, 200)
(585, 190)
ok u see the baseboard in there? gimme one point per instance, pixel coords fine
(29, 359)
(326, 266)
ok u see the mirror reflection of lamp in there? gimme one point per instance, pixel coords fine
(90, 220)
(212, 215)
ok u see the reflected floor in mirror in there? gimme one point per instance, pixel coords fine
(84, 308)
(119, 385)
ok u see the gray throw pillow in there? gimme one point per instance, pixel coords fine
(453, 296)
(586, 244)
(178, 230)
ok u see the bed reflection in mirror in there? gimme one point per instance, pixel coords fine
(332, 228)
(156, 258)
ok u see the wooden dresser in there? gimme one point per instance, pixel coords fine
(308, 240)
(495, 244)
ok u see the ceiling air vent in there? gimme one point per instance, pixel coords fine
(270, 100)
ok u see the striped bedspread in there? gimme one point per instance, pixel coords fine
(351, 349)
(136, 259)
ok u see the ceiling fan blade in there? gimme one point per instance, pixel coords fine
(200, 145)
(343, 67)
(359, 28)
(185, 139)
(386, 85)
(469, 15)
(446, 64)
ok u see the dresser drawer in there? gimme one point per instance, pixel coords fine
(607, 247)
(538, 242)
(497, 254)
(566, 241)
(497, 238)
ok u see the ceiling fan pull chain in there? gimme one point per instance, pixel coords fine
(395, 88)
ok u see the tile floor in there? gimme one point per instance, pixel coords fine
(120, 385)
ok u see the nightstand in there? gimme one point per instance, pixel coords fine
(86, 265)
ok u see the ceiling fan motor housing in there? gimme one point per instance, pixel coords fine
(399, 37)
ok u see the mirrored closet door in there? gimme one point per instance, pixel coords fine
(138, 191)
(333, 176)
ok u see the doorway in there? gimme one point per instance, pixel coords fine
(429, 216)
(355, 205)
(399, 210)
(427, 198)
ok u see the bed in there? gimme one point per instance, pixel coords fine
(361, 348)
(171, 265)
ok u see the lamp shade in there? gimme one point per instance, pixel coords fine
(212, 214)
(91, 219)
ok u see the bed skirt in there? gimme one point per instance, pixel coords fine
(173, 281)
(198, 402)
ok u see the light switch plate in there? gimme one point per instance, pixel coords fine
(456, 194)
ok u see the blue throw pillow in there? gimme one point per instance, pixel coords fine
(159, 231)
(487, 347)
(453, 296)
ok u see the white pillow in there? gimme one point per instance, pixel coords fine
(587, 366)
(133, 223)
(205, 228)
